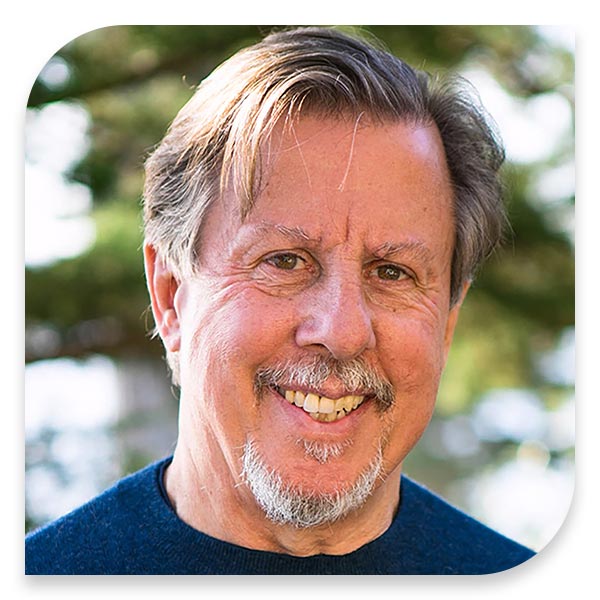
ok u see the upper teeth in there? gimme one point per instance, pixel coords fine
(322, 408)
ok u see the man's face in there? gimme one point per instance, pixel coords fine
(344, 258)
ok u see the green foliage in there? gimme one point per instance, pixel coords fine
(103, 289)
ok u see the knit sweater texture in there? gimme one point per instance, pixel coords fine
(131, 529)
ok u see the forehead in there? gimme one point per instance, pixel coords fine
(335, 180)
(355, 149)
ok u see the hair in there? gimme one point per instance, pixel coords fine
(285, 504)
(215, 140)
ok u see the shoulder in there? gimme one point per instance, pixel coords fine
(97, 537)
(446, 540)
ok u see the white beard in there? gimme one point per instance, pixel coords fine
(286, 505)
(323, 451)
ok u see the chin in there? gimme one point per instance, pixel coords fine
(306, 503)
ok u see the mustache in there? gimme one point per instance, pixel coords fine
(354, 374)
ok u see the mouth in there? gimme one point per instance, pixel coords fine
(321, 408)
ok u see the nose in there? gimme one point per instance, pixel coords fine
(337, 318)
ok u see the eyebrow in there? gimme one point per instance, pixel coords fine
(294, 233)
(387, 250)
(414, 247)
(258, 233)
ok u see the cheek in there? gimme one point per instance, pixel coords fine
(241, 328)
(412, 359)
(412, 352)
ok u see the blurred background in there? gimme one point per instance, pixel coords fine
(98, 401)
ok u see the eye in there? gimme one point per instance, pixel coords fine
(287, 261)
(389, 272)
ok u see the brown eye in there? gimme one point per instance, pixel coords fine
(390, 272)
(286, 261)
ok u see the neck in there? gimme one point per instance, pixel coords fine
(217, 502)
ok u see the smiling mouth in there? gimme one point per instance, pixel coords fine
(321, 408)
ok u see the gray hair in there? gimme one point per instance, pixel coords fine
(285, 504)
(216, 138)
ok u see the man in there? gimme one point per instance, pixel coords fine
(313, 219)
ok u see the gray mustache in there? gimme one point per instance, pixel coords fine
(355, 374)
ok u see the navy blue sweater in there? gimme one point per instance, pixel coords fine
(132, 529)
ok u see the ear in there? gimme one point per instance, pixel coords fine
(162, 286)
(453, 318)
